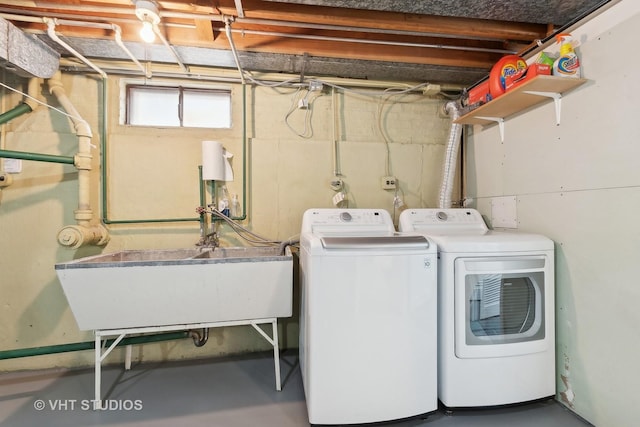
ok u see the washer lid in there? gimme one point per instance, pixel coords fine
(375, 242)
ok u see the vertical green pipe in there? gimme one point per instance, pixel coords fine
(103, 167)
(103, 154)
(244, 152)
(16, 111)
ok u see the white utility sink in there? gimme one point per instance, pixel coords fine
(149, 288)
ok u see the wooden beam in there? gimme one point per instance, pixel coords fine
(354, 50)
(467, 27)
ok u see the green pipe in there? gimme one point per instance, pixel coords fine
(9, 154)
(16, 111)
(89, 345)
(244, 154)
(103, 167)
(103, 153)
(212, 188)
(200, 219)
(203, 200)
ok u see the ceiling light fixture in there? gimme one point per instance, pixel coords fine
(147, 12)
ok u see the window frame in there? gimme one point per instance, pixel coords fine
(128, 85)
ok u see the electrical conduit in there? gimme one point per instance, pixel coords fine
(451, 155)
(84, 233)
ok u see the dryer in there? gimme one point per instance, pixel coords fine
(368, 319)
(496, 321)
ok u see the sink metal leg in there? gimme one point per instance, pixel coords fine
(276, 353)
(99, 357)
(276, 350)
(127, 357)
(98, 372)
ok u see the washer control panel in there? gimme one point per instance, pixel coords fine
(347, 220)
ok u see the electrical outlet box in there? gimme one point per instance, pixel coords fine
(388, 182)
(315, 86)
(336, 184)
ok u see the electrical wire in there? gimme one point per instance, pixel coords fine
(296, 103)
(244, 75)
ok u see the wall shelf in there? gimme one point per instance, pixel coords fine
(536, 91)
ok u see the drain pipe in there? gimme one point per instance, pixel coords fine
(199, 338)
(451, 155)
(83, 233)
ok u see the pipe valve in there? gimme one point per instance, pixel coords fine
(5, 179)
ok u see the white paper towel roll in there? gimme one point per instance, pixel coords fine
(213, 161)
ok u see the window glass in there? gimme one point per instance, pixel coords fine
(206, 109)
(149, 106)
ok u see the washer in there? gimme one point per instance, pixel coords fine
(496, 335)
(368, 320)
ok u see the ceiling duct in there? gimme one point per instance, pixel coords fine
(26, 55)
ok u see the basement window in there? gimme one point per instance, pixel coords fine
(177, 106)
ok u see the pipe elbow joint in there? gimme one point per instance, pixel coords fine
(82, 161)
(76, 236)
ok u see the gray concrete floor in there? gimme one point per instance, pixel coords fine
(226, 392)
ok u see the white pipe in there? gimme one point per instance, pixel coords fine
(239, 8)
(51, 25)
(51, 32)
(334, 101)
(83, 233)
(451, 156)
(158, 33)
(114, 27)
(118, 38)
(33, 93)
(227, 29)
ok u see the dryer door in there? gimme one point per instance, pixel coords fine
(499, 306)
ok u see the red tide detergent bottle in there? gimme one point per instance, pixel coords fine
(507, 66)
(568, 64)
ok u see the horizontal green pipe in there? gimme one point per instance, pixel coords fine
(9, 154)
(88, 345)
(16, 111)
(140, 221)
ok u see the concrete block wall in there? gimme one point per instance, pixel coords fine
(152, 173)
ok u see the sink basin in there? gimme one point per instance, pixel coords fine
(143, 288)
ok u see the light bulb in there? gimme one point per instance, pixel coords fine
(146, 32)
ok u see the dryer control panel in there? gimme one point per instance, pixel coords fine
(442, 221)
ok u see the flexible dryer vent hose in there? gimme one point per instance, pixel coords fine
(451, 155)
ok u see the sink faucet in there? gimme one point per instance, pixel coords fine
(209, 240)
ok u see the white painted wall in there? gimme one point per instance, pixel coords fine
(579, 184)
